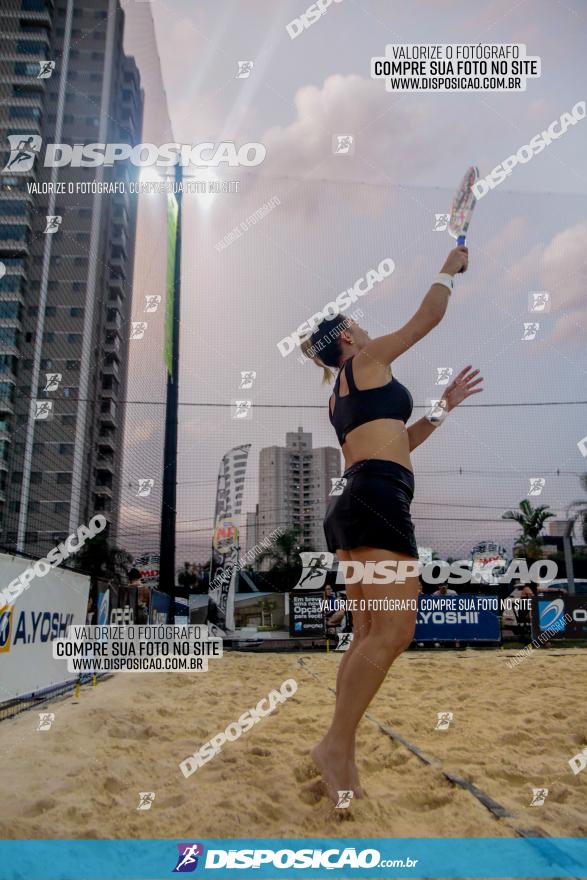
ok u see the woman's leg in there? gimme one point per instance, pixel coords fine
(389, 633)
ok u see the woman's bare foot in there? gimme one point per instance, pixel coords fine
(338, 771)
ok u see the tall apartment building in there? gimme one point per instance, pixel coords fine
(294, 487)
(65, 299)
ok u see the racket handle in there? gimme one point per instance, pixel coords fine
(460, 243)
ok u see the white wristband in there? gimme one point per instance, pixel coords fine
(445, 279)
(437, 413)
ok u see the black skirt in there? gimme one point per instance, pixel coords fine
(373, 509)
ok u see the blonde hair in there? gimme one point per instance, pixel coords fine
(310, 352)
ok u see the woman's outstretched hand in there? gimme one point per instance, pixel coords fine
(462, 386)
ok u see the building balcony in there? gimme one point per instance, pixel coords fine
(108, 412)
(111, 368)
(106, 443)
(112, 342)
(103, 491)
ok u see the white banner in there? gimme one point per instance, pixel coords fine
(28, 626)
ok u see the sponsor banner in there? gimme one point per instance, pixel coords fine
(148, 567)
(28, 626)
(224, 563)
(159, 608)
(456, 618)
(231, 858)
(306, 614)
(565, 617)
(103, 607)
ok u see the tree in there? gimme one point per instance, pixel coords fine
(284, 552)
(531, 520)
(577, 510)
(101, 559)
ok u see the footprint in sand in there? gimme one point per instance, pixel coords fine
(39, 807)
(262, 753)
(305, 771)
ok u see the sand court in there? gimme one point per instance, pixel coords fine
(510, 731)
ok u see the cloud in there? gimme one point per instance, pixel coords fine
(562, 270)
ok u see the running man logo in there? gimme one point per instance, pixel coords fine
(551, 615)
(5, 628)
(539, 301)
(52, 381)
(344, 799)
(343, 145)
(338, 484)
(146, 799)
(46, 69)
(578, 762)
(344, 641)
(53, 223)
(537, 484)
(23, 152)
(441, 222)
(530, 331)
(187, 861)
(247, 378)
(243, 409)
(315, 568)
(443, 375)
(244, 69)
(443, 720)
(43, 410)
(152, 302)
(46, 719)
(539, 795)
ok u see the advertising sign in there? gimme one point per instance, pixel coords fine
(148, 568)
(565, 617)
(160, 605)
(41, 613)
(463, 618)
(306, 615)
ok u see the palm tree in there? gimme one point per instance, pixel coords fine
(100, 559)
(577, 510)
(531, 520)
(284, 552)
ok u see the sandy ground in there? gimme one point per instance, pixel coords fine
(512, 730)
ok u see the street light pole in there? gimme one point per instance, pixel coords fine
(169, 490)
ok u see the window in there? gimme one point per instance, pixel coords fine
(64, 478)
(11, 283)
(49, 337)
(9, 336)
(32, 47)
(7, 391)
(46, 364)
(76, 312)
(72, 365)
(10, 309)
(8, 363)
(14, 231)
(36, 477)
(38, 448)
(74, 338)
(25, 113)
(82, 236)
(65, 448)
(34, 5)
(50, 311)
(61, 507)
(13, 208)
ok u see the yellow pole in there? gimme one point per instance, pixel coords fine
(328, 646)
(94, 680)
(77, 689)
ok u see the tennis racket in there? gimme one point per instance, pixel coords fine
(462, 206)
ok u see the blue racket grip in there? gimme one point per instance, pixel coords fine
(461, 240)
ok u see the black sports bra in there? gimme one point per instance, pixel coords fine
(389, 401)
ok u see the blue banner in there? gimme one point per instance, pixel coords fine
(159, 607)
(289, 858)
(463, 618)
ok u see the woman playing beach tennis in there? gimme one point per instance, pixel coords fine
(370, 521)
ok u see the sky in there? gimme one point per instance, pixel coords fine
(335, 217)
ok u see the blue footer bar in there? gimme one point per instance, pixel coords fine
(272, 858)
